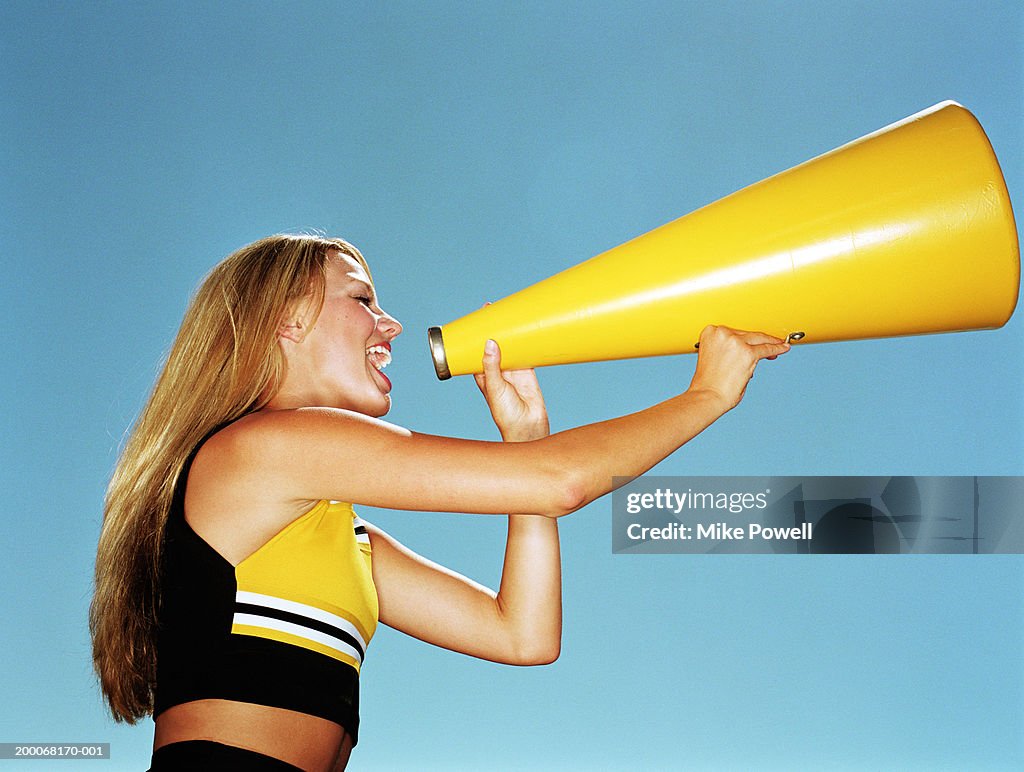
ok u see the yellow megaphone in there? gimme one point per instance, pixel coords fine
(905, 231)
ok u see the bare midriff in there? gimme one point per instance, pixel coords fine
(309, 742)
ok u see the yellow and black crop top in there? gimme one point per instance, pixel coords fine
(286, 627)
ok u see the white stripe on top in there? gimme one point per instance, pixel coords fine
(270, 601)
(362, 538)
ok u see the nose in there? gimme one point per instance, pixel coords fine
(388, 326)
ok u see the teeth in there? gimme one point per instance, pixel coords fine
(379, 356)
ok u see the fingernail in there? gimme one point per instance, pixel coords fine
(490, 347)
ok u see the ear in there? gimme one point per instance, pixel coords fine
(292, 329)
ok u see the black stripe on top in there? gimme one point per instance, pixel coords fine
(298, 619)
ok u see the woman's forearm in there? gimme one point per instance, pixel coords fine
(589, 456)
(630, 445)
(530, 596)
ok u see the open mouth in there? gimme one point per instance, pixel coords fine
(379, 356)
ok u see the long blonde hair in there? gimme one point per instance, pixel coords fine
(225, 362)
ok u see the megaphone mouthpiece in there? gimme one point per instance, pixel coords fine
(436, 343)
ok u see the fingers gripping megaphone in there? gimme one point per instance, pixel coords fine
(905, 231)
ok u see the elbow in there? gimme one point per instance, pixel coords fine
(535, 639)
(567, 493)
(548, 655)
(540, 653)
(541, 658)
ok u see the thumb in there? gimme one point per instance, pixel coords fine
(493, 383)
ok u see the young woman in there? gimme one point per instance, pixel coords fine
(236, 588)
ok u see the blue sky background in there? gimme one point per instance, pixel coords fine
(470, 149)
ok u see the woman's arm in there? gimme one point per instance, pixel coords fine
(521, 624)
(321, 453)
(530, 594)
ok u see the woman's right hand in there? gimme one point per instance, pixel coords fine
(514, 398)
(726, 360)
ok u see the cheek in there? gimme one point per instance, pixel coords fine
(363, 324)
(349, 326)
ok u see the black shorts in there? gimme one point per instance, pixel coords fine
(209, 756)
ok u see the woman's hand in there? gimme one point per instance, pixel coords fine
(727, 358)
(514, 398)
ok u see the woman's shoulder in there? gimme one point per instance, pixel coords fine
(265, 448)
(241, 447)
(270, 440)
(233, 499)
(244, 438)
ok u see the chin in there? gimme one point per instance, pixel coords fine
(380, 410)
(375, 406)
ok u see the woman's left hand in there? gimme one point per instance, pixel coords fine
(514, 398)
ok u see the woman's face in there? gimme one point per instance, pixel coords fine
(337, 363)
